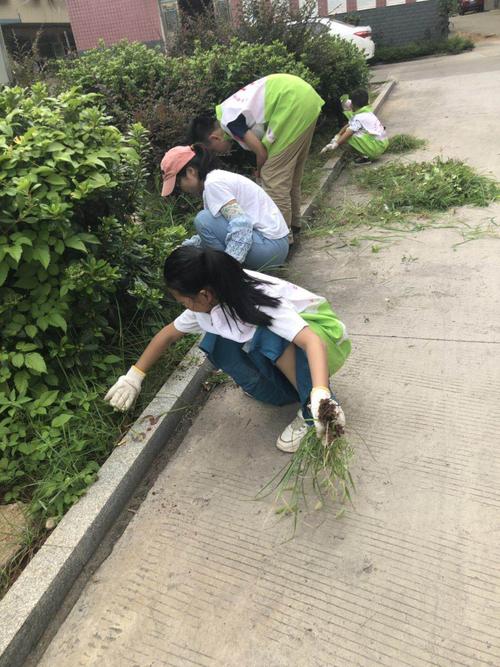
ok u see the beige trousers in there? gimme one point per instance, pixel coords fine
(281, 176)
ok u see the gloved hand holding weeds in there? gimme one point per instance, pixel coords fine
(126, 389)
(329, 418)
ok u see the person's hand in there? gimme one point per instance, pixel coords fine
(126, 389)
(319, 394)
(331, 146)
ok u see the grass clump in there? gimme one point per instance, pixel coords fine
(404, 143)
(320, 467)
(429, 186)
(451, 46)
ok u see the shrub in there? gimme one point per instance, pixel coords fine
(78, 258)
(125, 74)
(340, 66)
(393, 54)
(208, 77)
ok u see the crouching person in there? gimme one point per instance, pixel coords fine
(279, 342)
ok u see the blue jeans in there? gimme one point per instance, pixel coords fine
(263, 254)
(255, 370)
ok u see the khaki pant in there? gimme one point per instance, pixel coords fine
(281, 176)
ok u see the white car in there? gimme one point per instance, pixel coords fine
(360, 35)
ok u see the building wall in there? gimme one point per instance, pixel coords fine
(33, 11)
(113, 20)
(400, 23)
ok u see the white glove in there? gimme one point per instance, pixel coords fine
(126, 389)
(317, 395)
(331, 146)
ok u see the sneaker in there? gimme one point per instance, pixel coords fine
(361, 160)
(291, 437)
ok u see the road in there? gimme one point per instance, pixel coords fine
(204, 575)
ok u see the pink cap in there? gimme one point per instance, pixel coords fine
(173, 161)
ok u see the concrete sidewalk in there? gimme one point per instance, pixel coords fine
(204, 575)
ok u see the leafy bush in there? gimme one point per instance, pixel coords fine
(163, 93)
(125, 74)
(79, 257)
(340, 66)
(258, 23)
(452, 45)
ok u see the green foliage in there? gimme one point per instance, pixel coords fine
(81, 251)
(452, 45)
(340, 66)
(429, 186)
(404, 143)
(208, 77)
(124, 74)
(163, 93)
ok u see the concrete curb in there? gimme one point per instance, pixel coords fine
(36, 596)
(333, 167)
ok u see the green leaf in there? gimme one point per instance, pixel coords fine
(35, 361)
(55, 179)
(48, 397)
(42, 254)
(60, 420)
(18, 360)
(15, 251)
(4, 270)
(21, 379)
(31, 330)
(76, 243)
(58, 321)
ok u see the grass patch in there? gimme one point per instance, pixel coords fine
(404, 143)
(429, 186)
(452, 46)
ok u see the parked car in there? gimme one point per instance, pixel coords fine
(360, 35)
(470, 6)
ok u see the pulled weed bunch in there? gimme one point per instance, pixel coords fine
(319, 468)
(430, 186)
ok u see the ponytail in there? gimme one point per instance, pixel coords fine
(204, 161)
(189, 269)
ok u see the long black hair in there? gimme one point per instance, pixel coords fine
(204, 161)
(189, 269)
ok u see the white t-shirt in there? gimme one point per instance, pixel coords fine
(222, 187)
(367, 122)
(286, 323)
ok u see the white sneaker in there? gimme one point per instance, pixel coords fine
(291, 437)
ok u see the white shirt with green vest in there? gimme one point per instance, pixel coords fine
(277, 108)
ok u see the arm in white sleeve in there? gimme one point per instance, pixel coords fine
(239, 231)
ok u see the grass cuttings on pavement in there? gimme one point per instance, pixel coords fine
(404, 143)
(319, 467)
(429, 186)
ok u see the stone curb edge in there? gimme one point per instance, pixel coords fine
(35, 597)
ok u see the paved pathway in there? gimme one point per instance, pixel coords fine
(203, 574)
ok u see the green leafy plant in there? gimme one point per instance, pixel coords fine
(340, 66)
(82, 243)
(393, 54)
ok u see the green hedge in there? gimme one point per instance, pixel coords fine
(393, 54)
(79, 261)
